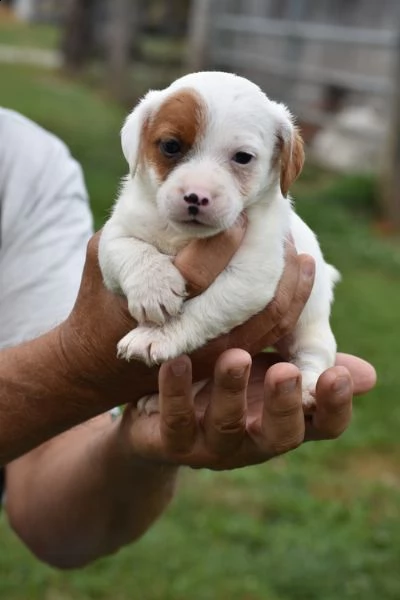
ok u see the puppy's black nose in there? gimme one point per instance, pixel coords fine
(196, 200)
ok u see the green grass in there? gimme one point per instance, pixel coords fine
(320, 523)
(88, 123)
(15, 33)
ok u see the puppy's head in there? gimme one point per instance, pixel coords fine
(209, 146)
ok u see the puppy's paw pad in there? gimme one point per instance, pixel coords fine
(148, 405)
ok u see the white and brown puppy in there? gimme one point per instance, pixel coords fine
(201, 152)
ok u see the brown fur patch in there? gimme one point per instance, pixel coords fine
(291, 160)
(181, 117)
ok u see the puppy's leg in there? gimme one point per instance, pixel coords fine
(153, 286)
(234, 297)
(313, 348)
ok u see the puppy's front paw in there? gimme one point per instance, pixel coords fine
(136, 344)
(149, 344)
(148, 405)
(164, 346)
(157, 295)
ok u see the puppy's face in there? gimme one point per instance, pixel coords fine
(209, 146)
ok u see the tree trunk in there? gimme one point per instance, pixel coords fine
(124, 29)
(198, 28)
(78, 40)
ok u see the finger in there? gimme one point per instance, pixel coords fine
(334, 394)
(92, 252)
(177, 417)
(302, 292)
(284, 293)
(201, 261)
(225, 418)
(362, 373)
(282, 421)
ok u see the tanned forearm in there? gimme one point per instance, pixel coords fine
(41, 396)
(93, 495)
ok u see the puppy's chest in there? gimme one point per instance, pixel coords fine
(158, 235)
(170, 245)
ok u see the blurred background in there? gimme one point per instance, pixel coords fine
(324, 521)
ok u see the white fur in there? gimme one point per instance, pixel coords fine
(146, 230)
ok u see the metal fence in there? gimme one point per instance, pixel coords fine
(311, 54)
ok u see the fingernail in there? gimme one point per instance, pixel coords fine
(178, 367)
(288, 386)
(341, 385)
(237, 373)
(308, 269)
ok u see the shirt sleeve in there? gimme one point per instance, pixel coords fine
(45, 225)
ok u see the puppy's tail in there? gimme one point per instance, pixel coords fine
(334, 275)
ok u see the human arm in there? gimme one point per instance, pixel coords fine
(72, 374)
(83, 464)
(109, 481)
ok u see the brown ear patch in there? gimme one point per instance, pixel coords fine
(181, 117)
(291, 159)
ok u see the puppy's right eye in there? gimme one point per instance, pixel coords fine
(170, 148)
(243, 158)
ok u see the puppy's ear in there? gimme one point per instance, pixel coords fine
(291, 148)
(132, 130)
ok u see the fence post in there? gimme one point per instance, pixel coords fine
(391, 174)
(197, 38)
(124, 25)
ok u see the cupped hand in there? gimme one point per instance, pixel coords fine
(250, 412)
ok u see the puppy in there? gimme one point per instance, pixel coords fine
(202, 152)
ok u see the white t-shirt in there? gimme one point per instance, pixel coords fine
(45, 223)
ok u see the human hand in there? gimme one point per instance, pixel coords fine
(100, 319)
(251, 412)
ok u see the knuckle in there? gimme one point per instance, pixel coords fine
(279, 332)
(282, 412)
(233, 388)
(278, 307)
(332, 432)
(196, 280)
(229, 426)
(284, 444)
(303, 293)
(337, 409)
(199, 281)
(333, 435)
(178, 421)
(336, 420)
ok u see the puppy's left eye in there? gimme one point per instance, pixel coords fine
(171, 148)
(242, 158)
